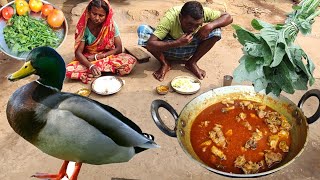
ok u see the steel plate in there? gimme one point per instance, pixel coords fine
(61, 33)
(107, 85)
(185, 84)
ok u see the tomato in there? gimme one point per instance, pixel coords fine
(35, 5)
(7, 12)
(15, 1)
(46, 9)
(55, 18)
(22, 7)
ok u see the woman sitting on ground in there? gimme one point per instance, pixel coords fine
(98, 46)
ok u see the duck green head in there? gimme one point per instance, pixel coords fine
(47, 64)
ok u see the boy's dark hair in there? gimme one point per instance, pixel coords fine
(193, 9)
(98, 4)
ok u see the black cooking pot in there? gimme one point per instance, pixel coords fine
(293, 113)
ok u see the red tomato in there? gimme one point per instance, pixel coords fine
(55, 18)
(46, 9)
(7, 12)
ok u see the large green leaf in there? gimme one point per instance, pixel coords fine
(270, 36)
(244, 35)
(298, 78)
(290, 56)
(305, 27)
(258, 24)
(308, 68)
(267, 54)
(283, 79)
(271, 60)
(273, 88)
(260, 84)
(281, 49)
(279, 52)
(253, 63)
(273, 79)
(241, 74)
(301, 83)
(253, 49)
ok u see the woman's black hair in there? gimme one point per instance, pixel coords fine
(99, 4)
(193, 9)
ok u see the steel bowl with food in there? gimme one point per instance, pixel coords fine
(278, 134)
(107, 85)
(162, 89)
(185, 84)
(84, 92)
(38, 33)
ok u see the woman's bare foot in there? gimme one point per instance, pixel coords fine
(86, 78)
(161, 72)
(194, 68)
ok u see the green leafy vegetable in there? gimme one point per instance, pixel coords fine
(24, 33)
(271, 60)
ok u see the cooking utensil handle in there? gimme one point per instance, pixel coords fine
(307, 95)
(155, 105)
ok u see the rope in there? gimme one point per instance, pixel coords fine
(295, 26)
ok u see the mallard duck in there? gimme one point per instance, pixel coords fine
(68, 126)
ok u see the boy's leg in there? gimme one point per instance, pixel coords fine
(144, 33)
(202, 49)
(164, 68)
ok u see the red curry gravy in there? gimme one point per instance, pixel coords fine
(236, 133)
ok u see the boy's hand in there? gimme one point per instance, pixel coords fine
(185, 39)
(203, 32)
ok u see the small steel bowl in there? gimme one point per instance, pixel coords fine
(84, 92)
(162, 89)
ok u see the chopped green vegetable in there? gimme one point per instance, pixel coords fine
(271, 60)
(24, 33)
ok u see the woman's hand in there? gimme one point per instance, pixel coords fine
(95, 70)
(91, 58)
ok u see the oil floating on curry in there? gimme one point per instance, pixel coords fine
(240, 136)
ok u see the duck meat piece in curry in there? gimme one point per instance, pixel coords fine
(216, 135)
(283, 146)
(271, 158)
(253, 141)
(217, 152)
(241, 137)
(250, 167)
(240, 161)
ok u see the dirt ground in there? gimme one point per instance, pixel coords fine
(19, 159)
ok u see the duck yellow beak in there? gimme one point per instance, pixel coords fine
(26, 70)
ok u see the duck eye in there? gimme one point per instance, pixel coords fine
(25, 67)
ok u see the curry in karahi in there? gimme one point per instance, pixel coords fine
(240, 136)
